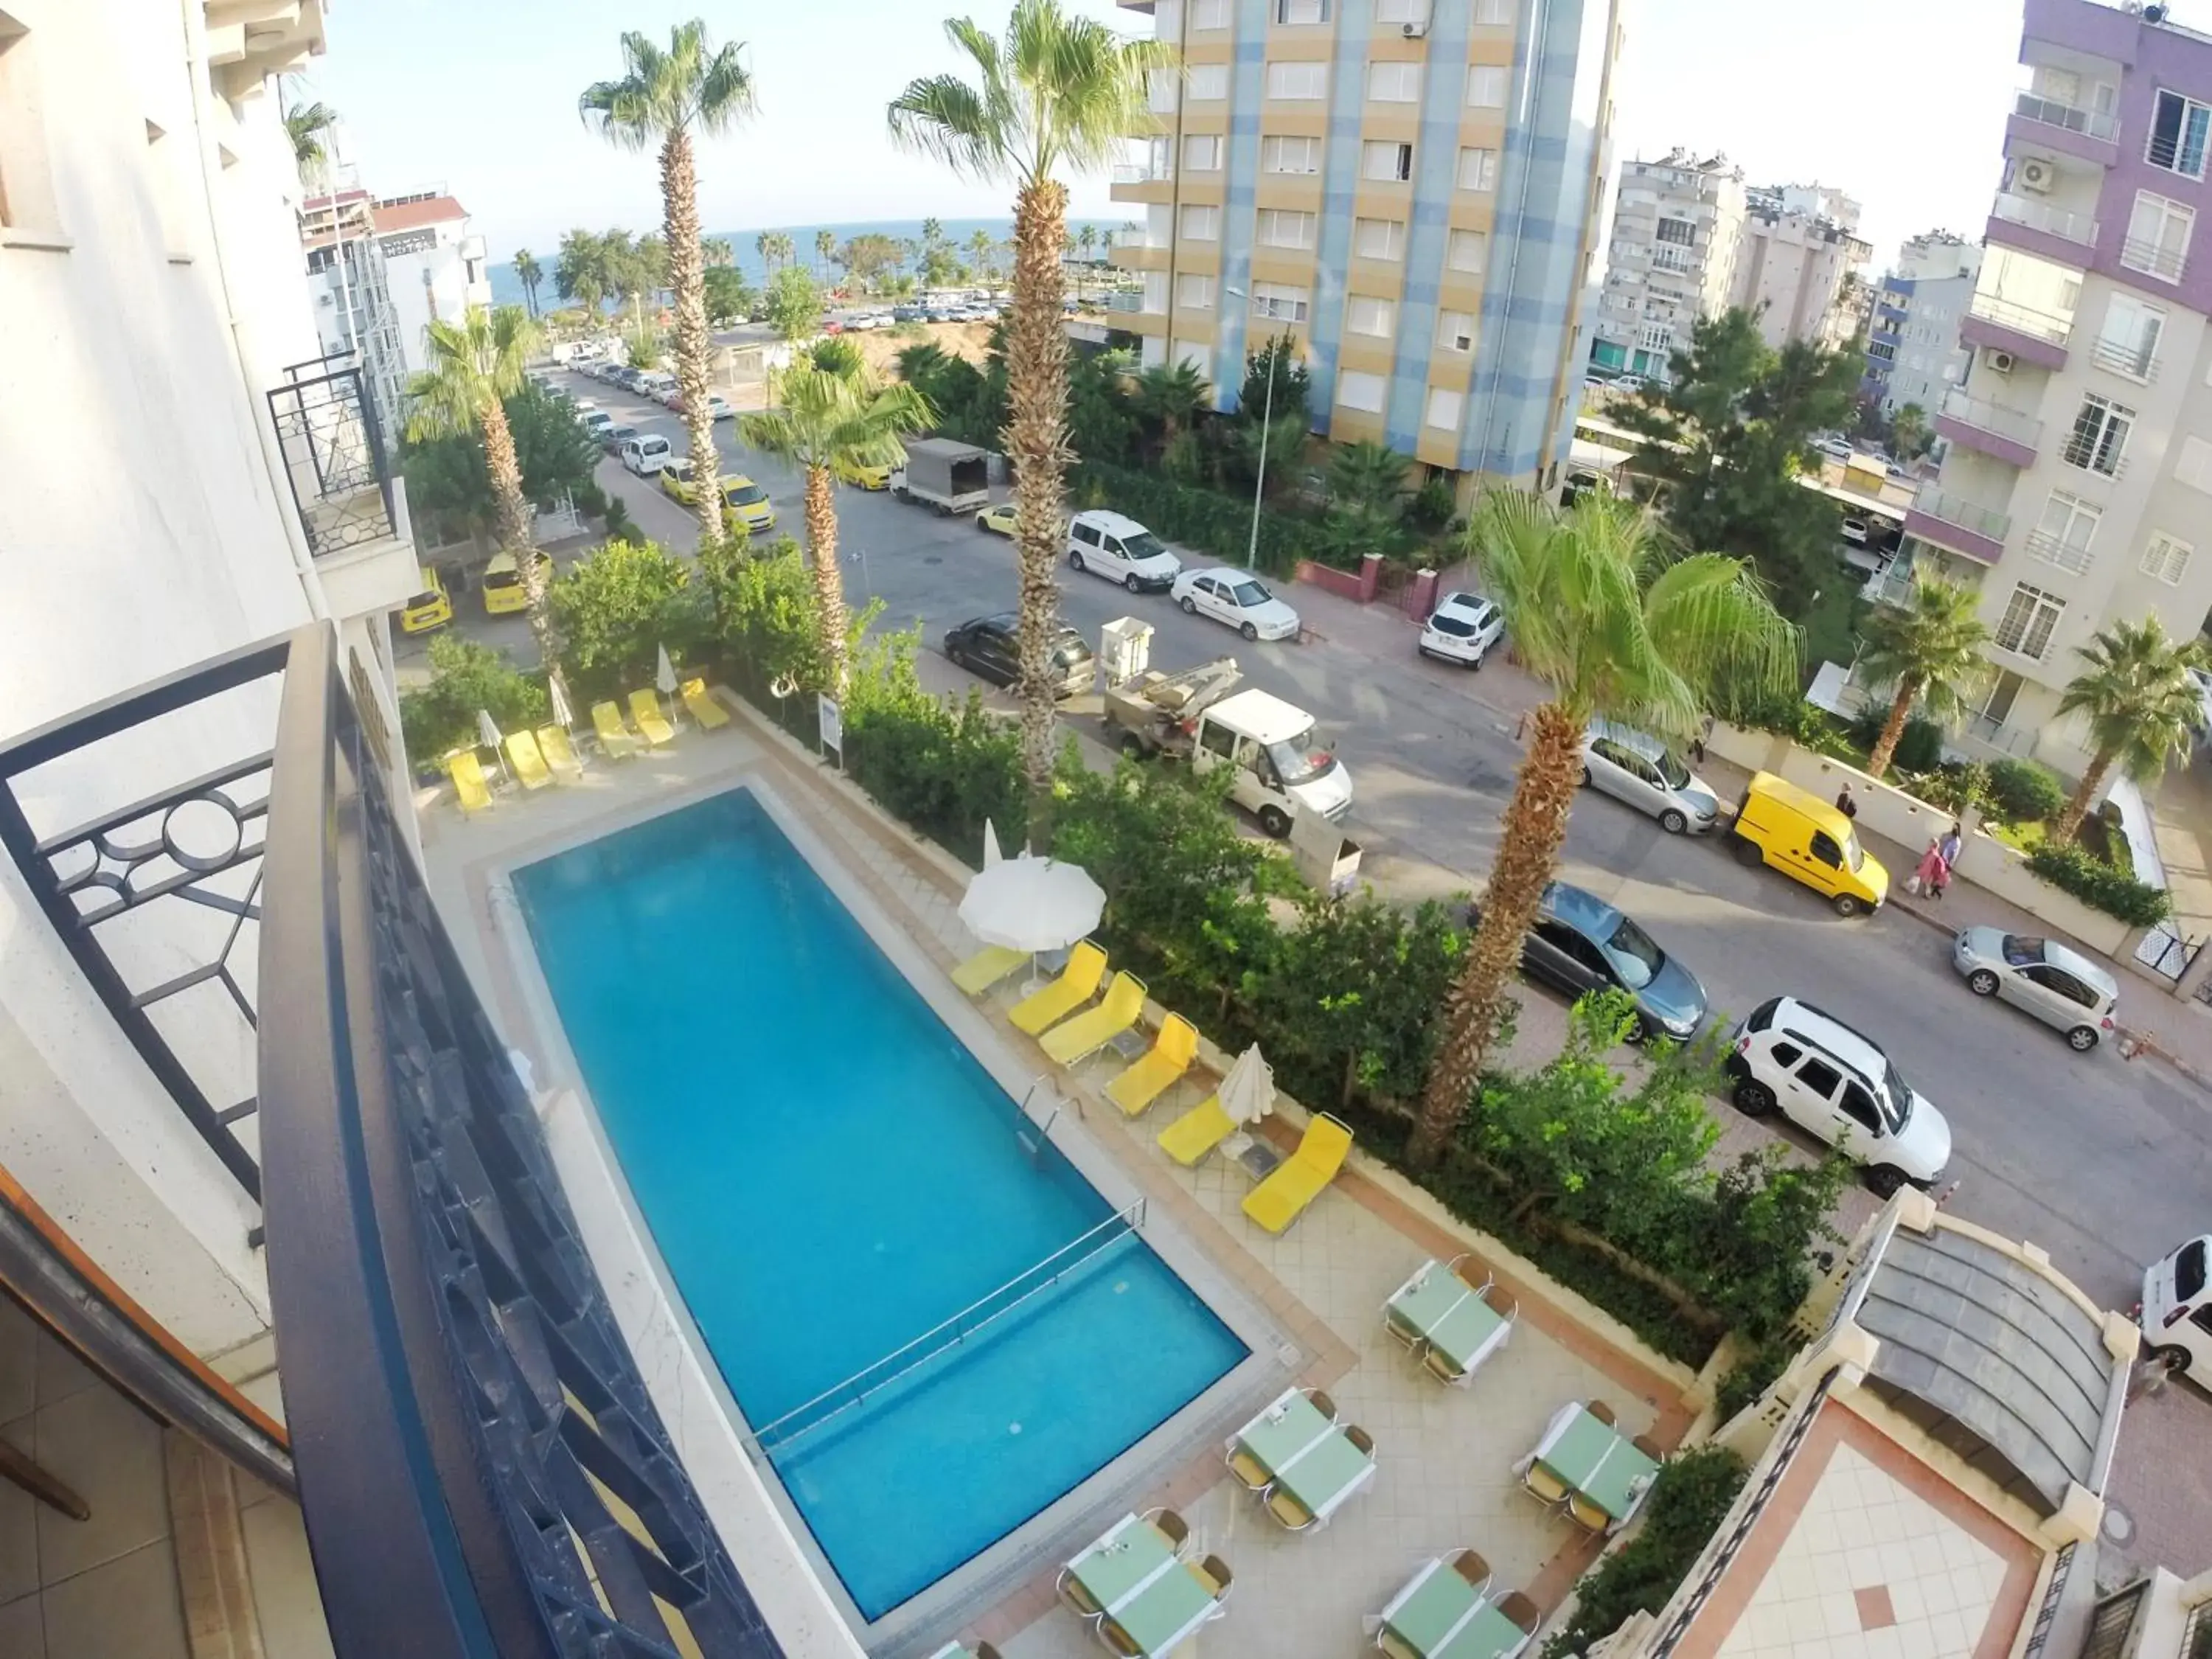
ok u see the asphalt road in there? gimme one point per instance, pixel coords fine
(2107, 1164)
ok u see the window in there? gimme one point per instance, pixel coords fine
(1455, 330)
(1478, 169)
(1201, 152)
(1681, 232)
(1301, 11)
(1280, 229)
(2158, 236)
(26, 187)
(1787, 1055)
(1200, 223)
(1825, 851)
(1297, 81)
(2031, 617)
(1859, 1104)
(1366, 315)
(1162, 86)
(1285, 153)
(1278, 301)
(1443, 408)
(1485, 87)
(2100, 433)
(1401, 11)
(1493, 14)
(2061, 536)
(2166, 558)
(2129, 343)
(1196, 353)
(1817, 1076)
(1379, 239)
(1206, 83)
(1386, 162)
(1467, 251)
(1209, 14)
(2177, 127)
(1393, 83)
(2193, 466)
(1356, 391)
(1193, 293)
(1218, 738)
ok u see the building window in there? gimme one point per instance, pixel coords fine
(2177, 129)
(1196, 353)
(1386, 162)
(1455, 330)
(1681, 232)
(1656, 339)
(1280, 229)
(1297, 81)
(1200, 223)
(1355, 390)
(1444, 409)
(1193, 293)
(1279, 301)
(2158, 236)
(2166, 558)
(1379, 239)
(1469, 249)
(1485, 87)
(1478, 169)
(26, 187)
(1209, 14)
(1366, 315)
(1201, 152)
(1393, 83)
(1284, 152)
(1301, 11)
(2030, 617)
(2061, 536)
(1401, 11)
(2100, 435)
(1162, 86)
(1206, 83)
(1493, 14)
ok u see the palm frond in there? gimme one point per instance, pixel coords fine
(474, 363)
(943, 116)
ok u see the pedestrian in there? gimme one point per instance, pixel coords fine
(1845, 805)
(1929, 875)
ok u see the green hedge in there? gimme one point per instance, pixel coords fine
(1204, 518)
(2098, 886)
(2024, 791)
(1688, 1502)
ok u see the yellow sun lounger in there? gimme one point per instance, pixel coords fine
(704, 709)
(614, 737)
(1283, 1196)
(1093, 1029)
(1191, 1138)
(1086, 966)
(1158, 1069)
(560, 753)
(469, 782)
(987, 968)
(522, 754)
(652, 723)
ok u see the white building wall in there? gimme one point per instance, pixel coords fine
(441, 283)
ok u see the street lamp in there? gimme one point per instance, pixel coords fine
(1266, 428)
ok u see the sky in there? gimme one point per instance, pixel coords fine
(1900, 103)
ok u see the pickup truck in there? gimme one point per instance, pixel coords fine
(952, 478)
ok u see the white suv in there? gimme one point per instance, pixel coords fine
(1840, 1087)
(1121, 550)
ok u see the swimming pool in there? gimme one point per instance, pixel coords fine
(828, 1174)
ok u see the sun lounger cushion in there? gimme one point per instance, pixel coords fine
(987, 968)
(1076, 983)
(1191, 1137)
(560, 753)
(614, 737)
(703, 706)
(469, 780)
(1158, 1069)
(1090, 1030)
(1283, 1196)
(645, 710)
(522, 754)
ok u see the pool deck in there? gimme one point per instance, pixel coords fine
(1444, 1479)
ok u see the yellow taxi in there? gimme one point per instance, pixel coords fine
(999, 519)
(861, 475)
(429, 609)
(503, 591)
(676, 483)
(744, 502)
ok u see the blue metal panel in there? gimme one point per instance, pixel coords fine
(1247, 85)
(1436, 162)
(1355, 21)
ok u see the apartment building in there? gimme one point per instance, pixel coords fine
(2079, 471)
(434, 265)
(1411, 188)
(1796, 266)
(1677, 225)
(1912, 349)
(350, 286)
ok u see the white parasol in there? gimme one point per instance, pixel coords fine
(487, 732)
(1032, 904)
(563, 715)
(991, 853)
(1248, 1091)
(664, 673)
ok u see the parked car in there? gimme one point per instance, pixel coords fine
(430, 608)
(1636, 767)
(747, 504)
(678, 484)
(1837, 1084)
(503, 591)
(864, 476)
(1238, 598)
(998, 519)
(2177, 1307)
(1806, 838)
(1580, 944)
(613, 437)
(1855, 532)
(647, 453)
(1462, 628)
(1121, 550)
(1835, 449)
(597, 424)
(986, 646)
(2061, 987)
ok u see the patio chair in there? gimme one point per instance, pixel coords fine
(1249, 1470)
(1086, 966)
(1471, 1273)
(700, 703)
(1322, 1403)
(1502, 1302)
(1585, 1514)
(1213, 1573)
(1544, 1486)
(1170, 1526)
(1078, 1600)
(560, 753)
(645, 712)
(616, 739)
(1399, 1331)
(987, 968)
(1118, 1640)
(1444, 1370)
(1396, 1646)
(468, 782)
(1191, 1138)
(1292, 1515)
(1282, 1198)
(985, 1650)
(1359, 1437)
(1157, 1070)
(1520, 1612)
(522, 754)
(1649, 1447)
(1600, 1410)
(1470, 1566)
(1076, 1040)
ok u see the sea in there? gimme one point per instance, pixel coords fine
(506, 288)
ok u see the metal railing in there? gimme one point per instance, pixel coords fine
(1136, 236)
(2021, 320)
(1938, 503)
(2056, 550)
(2154, 259)
(334, 455)
(1994, 418)
(2138, 362)
(2041, 215)
(2052, 113)
(2090, 453)
(1141, 172)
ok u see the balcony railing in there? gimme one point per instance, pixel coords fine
(2153, 259)
(480, 1469)
(2056, 550)
(334, 455)
(1141, 172)
(2041, 215)
(1957, 510)
(2137, 361)
(2022, 319)
(1137, 236)
(2052, 113)
(1986, 416)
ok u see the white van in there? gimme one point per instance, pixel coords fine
(1121, 550)
(1279, 765)
(2177, 1308)
(647, 453)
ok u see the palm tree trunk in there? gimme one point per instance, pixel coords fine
(1535, 824)
(2085, 796)
(679, 197)
(1037, 442)
(820, 511)
(1900, 710)
(511, 522)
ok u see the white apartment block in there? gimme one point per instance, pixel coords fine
(349, 284)
(1677, 226)
(434, 264)
(1800, 250)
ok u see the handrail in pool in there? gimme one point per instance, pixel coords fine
(772, 1437)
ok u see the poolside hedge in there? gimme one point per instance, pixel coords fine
(1688, 1501)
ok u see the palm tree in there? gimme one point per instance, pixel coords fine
(1059, 91)
(979, 250)
(1604, 615)
(1908, 431)
(785, 252)
(306, 126)
(825, 246)
(1930, 649)
(932, 233)
(832, 410)
(476, 364)
(764, 245)
(661, 98)
(529, 273)
(1169, 395)
(2142, 705)
(1368, 474)
(716, 252)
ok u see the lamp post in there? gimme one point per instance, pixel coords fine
(1266, 428)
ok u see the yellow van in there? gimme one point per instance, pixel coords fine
(428, 609)
(1802, 836)
(503, 591)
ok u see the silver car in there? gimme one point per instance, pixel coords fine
(1636, 767)
(2059, 987)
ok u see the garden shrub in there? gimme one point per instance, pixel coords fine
(1219, 524)
(2073, 869)
(1954, 785)
(466, 677)
(1687, 1505)
(1919, 746)
(1431, 507)
(617, 608)
(1750, 1377)
(2025, 791)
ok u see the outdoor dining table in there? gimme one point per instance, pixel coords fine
(1285, 1432)
(1450, 1316)
(1441, 1616)
(1144, 1586)
(1596, 1459)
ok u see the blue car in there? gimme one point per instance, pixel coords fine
(1580, 944)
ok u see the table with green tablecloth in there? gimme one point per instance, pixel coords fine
(1596, 1458)
(1449, 1314)
(1441, 1616)
(1145, 1588)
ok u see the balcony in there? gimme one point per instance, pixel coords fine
(2046, 124)
(2052, 233)
(1989, 428)
(1142, 181)
(2154, 259)
(1962, 526)
(352, 511)
(2136, 360)
(2033, 336)
(1135, 248)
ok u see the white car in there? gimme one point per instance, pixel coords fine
(1635, 767)
(1462, 628)
(647, 454)
(1121, 550)
(2060, 986)
(1855, 532)
(1238, 598)
(719, 407)
(2177, 1307)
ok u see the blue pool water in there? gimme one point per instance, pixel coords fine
(828, 1174)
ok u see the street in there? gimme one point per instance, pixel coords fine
(2104, 1163)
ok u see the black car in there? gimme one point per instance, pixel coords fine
(984, 646)
(1580, 944)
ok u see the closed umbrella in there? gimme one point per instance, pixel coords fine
(1248, 1092)
(991, 853)
(1032, 904)
(664, 673)
(563, 715)
(487, 730)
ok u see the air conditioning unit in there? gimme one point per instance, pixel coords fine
(1414, 31)
(2000, 363)
(2036, 176)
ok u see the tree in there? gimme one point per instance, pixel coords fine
(660, 99)
(764, 245)
(1908, 431)
(617, 608)
(826, 250)
(717, 252)
(476, 364)
(866, 257)
(1101, 424)
(1612, 625)
(794, 304)
(583, 271)
(730, 298)
(307, 125)
(831, 410)
(1368, 474)
(980, 247)
(529, 274)
(932, 233)
(2142, 704)
(466, 678)
(448, 478)
(1058, 92)
(1929, 651)
(1168, 396)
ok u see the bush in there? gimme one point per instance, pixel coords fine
(616, 609)
(1750, 1377)
(2024, 791)
(466, 677)
(1688, 1502)
(2098, 886)
(1954, 785)
(1431, 507)
(1919, 747)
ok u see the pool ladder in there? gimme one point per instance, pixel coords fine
(1026, 1125)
